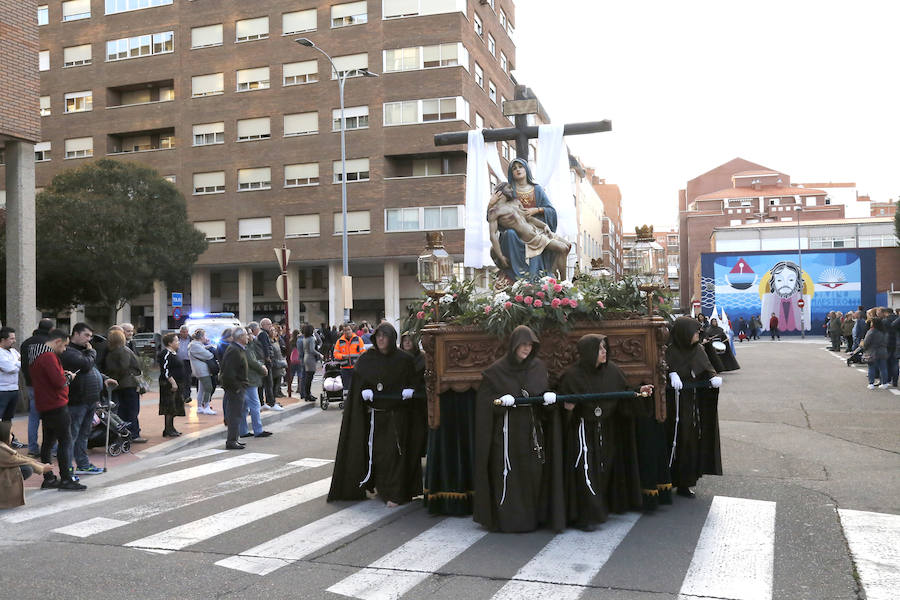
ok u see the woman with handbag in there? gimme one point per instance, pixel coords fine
(203, 362)
(123, 366)
(310, 357)
(171, 380)
(875, 351)
(295, 365)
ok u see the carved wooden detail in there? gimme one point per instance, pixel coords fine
(456, 356)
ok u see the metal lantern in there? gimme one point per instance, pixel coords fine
(435, 266)
(649, 261)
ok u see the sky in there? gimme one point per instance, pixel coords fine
(808, 88)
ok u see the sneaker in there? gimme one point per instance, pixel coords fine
(871, 386)
(276, 406)
(265, 407)
(71, 486)
(50, 481)
(210, 411)
(73, 475)
(884, 386)
(89, 470)
(139, 440)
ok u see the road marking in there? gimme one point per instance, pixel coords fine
(873, 542)
(132, 487)
(292, 546)
(397, 572)
(735, 552)
(895, 391)
(217, 524)
(152, 509)
(195, 455)
(562, 569)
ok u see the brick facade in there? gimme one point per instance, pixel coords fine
(19, 82)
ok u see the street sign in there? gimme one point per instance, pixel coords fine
(176, 313)
(280, 286)
(283, 255)
(177, 298)
(801, 303)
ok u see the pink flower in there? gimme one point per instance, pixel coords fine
(455, 296)
(424, 305)
(555, 303)
(538, 304)
(544, 287)
(574, 303)
(552, 281)
(487, 309)
(600, 304)
(540, 294)
(420, 315)
(519, 298)
(529, 300)
(507, 305)
(557, 288)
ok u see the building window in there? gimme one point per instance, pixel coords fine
(42, 152)
(117, 6)
(510, 30)
(206, 36)
(253, 79)
(254, 179)
(301, 124)
(297, 226)
(44, 60)
(479, 121)
(423, 111)
(506, 150)
(492, 91)
(357, 170)
(169, 178)
(76, 56)
(300, 72)
(352, 13)
(301, 175)
(357, 222)
(43, 15)
(427, 167)
(355, 117)
(298, 22)
(80, 147)
(252, 29)
(479, 76)
(209, 183)
(207, 85)
(503, 63)
(395, 9)
(73, 10)
(253, 129)
(492, 45)
(349, 64)
(423, 218)
(207, 134)
(140, 45)
(45, 106)
(426, 57)
(259, 228)
(213, 230)
(479, 27)
(502, 17)
(79, 102)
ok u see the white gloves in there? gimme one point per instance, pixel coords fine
(716, 381)
(549, 398)
(675, 380)
(367, 395)
(507, 400)
(407, 393)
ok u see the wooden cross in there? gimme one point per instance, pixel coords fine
(524, 104)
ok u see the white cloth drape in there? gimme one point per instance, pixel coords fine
(552, 172)
(477, 248)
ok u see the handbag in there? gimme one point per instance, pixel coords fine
(143, 386)
(868, 358)
(213, 366)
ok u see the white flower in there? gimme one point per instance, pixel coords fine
(566, 284)
(446, 299)
(500, 298)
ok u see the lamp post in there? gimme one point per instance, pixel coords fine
(649, 262)
(345, 254)
(802, 282)
(434, 269)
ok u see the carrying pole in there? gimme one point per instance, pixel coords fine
(108, 420)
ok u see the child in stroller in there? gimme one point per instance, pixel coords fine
(119, 435)
(335, 382)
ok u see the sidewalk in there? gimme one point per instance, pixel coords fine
(194, 428)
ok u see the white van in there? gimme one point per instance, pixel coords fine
(212, 323)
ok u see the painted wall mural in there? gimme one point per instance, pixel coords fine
(761, 283)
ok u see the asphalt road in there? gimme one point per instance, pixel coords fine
(808, 509)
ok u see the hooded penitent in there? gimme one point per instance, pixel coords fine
(684, 356)
(518, 458)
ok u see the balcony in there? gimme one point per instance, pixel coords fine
(137, 94)
(140, 141)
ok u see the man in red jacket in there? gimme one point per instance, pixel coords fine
(51, 398)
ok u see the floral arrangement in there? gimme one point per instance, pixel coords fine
(539, 303)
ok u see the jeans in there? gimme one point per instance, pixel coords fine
(206, 390)
(186, 385)
(893, 369)
(775, 334)
(8, 401)
(307, 384)
(129, 407)
(251, 405)
(296, 371)
(878, 368)
(34, 420)
(80, 420)
(232, 406)
(56, 427)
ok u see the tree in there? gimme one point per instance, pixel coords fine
(897, 221)
(106, 231)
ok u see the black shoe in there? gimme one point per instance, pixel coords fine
(588, 527)
(248, 434)
(170, 433)
(685, 492)
(176, 433)
(51, 481)
(234, 446)
(71, 486)
(263, 434)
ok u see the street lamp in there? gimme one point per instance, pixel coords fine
(802, 281)
(341, 80)
(649, 263)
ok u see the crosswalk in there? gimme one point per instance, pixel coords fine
(732, 545)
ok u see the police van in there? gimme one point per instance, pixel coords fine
(212, 323)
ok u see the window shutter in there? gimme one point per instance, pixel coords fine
(350, 62)
(252, 27)
(42, 147)
(357, 221)
(257, 74)
(79, 144)
(254, 175)
(76, 7)
(433, 7)
(400, 8)
(339, 11)
(214, 179)
(202, 85)
(301, 171)
(350, 111)
(301, 225)
(214, 230)
(301, 123)
(205, 128)
(302, 20)
(307, 67)
(355, 165)
(261, 226)
(210, 35)
(253, 127)
(77, 54)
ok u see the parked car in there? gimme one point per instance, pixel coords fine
(144, 343)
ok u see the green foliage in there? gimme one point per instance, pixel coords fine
(897, 221)
(106, 231)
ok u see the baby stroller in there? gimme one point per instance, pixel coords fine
(856, 357)
(119, 435)
(332, 384)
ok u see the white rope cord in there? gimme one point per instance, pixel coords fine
(506, 466)
(677, 416)
(371, 439)
(582, 439)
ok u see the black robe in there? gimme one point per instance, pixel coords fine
(696, 435)
(389, 475)
(726, 361)
(530, 494)
(600, 463)
(418, 421)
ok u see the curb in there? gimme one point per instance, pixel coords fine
(198, 438)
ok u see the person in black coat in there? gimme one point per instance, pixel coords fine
(374, 439)
(418, 408)
(171, 379)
